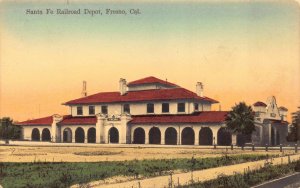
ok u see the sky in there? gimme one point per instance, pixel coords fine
(241, 51)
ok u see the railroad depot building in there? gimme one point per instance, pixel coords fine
(151, 111)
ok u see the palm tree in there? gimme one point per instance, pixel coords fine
(241, 120)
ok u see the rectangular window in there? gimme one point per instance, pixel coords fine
(150, 108)
(126, 108)
(104, 109)
(181, 107)
(91, 110)
(196, 105)
(79, 110)
(165, 107)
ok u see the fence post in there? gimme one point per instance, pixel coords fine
(280, 147)
(296, 148)
(253, 148)
(231, 146)
(266, 147)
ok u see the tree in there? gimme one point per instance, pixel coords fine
(241, 119)
(8, 130)
(294, 133)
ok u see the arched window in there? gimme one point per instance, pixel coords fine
(113, 135)
(46, 136)
(92, 135)
(35, 134)
(171, 136)
(224, 137)
(139, 136)
(205, 136)
(188, 136)
(79, 135)
(67, 135)
(154, 136)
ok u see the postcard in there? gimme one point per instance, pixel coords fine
(149, 93)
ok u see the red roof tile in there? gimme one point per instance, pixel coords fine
(84, 120)
(259, 103)
(145, 95)
(40, 121)
(201, 117)
(151, 80)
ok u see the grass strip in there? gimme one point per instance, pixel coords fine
(41, 174)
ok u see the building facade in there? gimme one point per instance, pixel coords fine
(270, 123)
(144, 111)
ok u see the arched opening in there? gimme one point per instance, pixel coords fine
(272, 136)
(224, 137)
(79, 135)
(154, 136)
(92, 135)
(35, 135)
(205, 136)
(139, 136)
(188, 136)
(113, 135)
(67, 135)
(46, 136)
(171, 136)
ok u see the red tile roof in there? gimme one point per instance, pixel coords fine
(145, 95)
(259, 103)
(200, 117)
(151, 80)
(84, 120)
(40, 121)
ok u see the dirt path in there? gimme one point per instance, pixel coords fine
(202, 175)
(92, 152)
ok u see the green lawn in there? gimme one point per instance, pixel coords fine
(41, 174)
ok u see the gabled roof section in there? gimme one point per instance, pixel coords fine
(144, 95)
(40, 121)
(259, 103)
(199, 117)
(151, 80)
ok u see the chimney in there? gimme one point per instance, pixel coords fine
(199, 89)
(84, 93)
(122, 86)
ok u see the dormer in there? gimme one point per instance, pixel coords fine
(149, 83)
